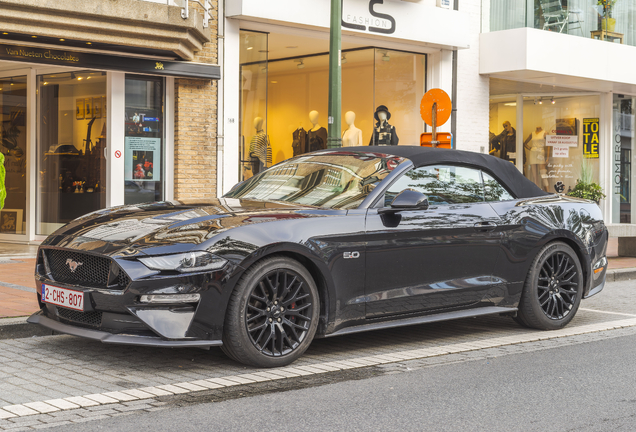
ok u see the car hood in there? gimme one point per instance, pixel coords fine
(170, 227)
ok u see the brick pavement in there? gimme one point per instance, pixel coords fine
(50, 380)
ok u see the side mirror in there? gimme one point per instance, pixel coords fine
(408, 199)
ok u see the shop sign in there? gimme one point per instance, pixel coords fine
(109, 62)
(413, 21)
(559, 151)
(590, 138)
(374, 21)
(562, 140)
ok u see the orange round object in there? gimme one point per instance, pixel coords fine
(444, 106)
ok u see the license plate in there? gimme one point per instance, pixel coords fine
(63, 297)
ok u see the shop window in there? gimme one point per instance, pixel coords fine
(144, 139)
(255, 145)
(284, 102)
(13, 104)
(553, 140)
(70, 147)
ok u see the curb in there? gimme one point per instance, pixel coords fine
(18, 328)
(625, 274)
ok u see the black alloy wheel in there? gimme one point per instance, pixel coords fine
(553, 288)
(279, 312)
(557, 285)
(272, 315)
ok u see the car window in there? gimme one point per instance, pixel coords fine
(494, 191)
(443, 184)
(339, 180)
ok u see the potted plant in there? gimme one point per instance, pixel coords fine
(585, 186)
(607, 22)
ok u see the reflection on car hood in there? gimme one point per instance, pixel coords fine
(129, 230)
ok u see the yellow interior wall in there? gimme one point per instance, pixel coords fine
(71, 130)
(296, 92)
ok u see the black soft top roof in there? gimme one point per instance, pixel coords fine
(502, 170)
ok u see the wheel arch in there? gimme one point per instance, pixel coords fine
(580, 251)
(318, 269)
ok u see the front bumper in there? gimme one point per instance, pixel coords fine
(123, 339)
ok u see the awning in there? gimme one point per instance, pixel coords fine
(85, 60)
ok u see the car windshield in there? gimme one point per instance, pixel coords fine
(339, 180)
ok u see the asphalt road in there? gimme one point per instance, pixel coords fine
(583, 387)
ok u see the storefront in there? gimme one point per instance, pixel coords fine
(82, 131)
(551, 137)
(276, 60)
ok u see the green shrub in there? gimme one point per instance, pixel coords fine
(591, 191)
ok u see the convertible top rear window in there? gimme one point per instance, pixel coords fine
(336, 180)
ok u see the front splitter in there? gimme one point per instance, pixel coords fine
(109, 338)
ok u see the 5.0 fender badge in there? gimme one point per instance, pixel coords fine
(73, 265)
(351, 255)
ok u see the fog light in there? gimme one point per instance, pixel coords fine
(170, 298)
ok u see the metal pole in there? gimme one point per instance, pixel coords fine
(334, 139)
(434, 141)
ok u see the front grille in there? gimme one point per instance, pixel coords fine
(90, 270)
(85, 319)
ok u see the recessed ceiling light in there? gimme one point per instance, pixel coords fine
(5, 33)
(33, 36)
(79, 78)
(88, 77)
(274, 82)
(45, 83)
(62, 40)
(89, 43)
(250, 48)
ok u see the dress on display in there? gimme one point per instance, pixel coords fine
(536, 153)
(299, 143)
(317, 140)
(384, 134)
(260, 152)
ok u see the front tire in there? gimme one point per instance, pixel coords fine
(553, 288)
(272, 314)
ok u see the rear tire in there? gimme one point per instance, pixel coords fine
(272, 314)
(553, 288)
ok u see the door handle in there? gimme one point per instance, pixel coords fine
(485, 226)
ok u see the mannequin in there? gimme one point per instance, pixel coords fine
(537, 157)
(506, 143)
(352, 136)
(299, 143)
(260, 150)
(317, 135)
(383, 132)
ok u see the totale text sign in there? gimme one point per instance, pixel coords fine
(590, 138)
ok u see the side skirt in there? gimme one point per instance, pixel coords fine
(446, 316)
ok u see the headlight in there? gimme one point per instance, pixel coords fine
(185, 262)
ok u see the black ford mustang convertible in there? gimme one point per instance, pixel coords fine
(324, 244)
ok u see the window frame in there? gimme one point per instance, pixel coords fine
(379, 200)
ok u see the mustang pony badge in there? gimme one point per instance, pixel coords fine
(73, 265)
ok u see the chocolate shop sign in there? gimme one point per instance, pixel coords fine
(109, 62)
(41, 54)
